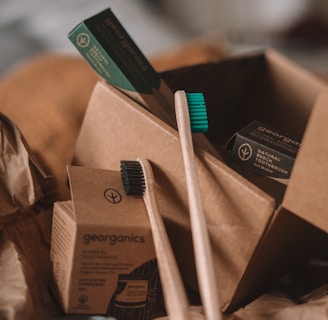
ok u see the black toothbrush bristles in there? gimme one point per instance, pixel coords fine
(132, 177)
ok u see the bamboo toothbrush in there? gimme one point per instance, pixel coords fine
(138, 179)
(191, 117)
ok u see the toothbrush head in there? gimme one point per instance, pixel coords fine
(197, 112)
(132, 177)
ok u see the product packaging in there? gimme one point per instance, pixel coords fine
(264, 150)
(102, 253)
(110, 51)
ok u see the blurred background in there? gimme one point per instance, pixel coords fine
(297, 28)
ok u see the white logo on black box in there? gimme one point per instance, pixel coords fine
(245, 152)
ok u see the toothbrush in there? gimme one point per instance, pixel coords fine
(191, 117)
(138, 179)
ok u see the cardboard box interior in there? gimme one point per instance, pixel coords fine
(264, 86)
(245, 212)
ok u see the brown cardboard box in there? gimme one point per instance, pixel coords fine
(258, 229)
(102, 253)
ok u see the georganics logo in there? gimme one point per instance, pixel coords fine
(278, 135)
(245, 152)
(112, 195)
(113, 239)
(83, 40)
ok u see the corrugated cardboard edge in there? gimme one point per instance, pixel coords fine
(307, 192)
(307, 187)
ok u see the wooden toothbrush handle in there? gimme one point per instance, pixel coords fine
(201, 242)
(174, 291)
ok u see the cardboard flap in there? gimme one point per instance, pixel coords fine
(95, 191)
(307, 192)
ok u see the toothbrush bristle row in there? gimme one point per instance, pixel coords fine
(197, 112)
(132, 177)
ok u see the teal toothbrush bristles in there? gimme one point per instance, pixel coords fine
(197, 112)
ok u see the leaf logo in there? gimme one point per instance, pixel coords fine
(245, 152)
(83, 40)
(113, 196)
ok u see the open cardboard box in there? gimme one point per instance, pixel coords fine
(259, 228)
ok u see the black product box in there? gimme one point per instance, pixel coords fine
(264, 150)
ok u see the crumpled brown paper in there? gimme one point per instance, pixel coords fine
(13, 286)
(21, 177)
(24, 227)
(24, 268)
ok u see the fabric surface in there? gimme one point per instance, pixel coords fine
(46, 98)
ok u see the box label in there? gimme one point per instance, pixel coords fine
(137, 294)
(131, 292)
(265, 150)
(61, 252)
(109, 49)
(98, 58)
(111, 52)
